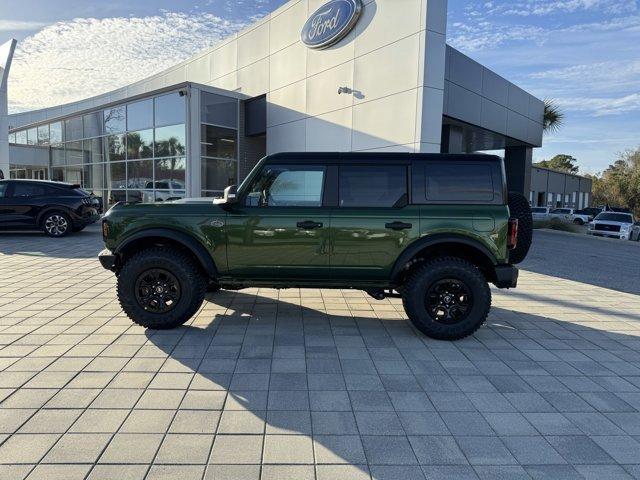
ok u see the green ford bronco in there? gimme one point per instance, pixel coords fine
(434, 230)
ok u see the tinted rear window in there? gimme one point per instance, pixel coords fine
(615, 217)
(373, 186)
(459, 182)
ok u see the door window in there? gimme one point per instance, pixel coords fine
(373, 186)
(3, 189)
(287, 186)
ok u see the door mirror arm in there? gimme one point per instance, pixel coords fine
(231, 194)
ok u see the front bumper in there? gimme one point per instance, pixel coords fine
(506, 276)
(601, 233)
(107, 259)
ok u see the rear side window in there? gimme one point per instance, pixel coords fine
(459, 182)
(28, 190)
(383, 186)
(3, 189)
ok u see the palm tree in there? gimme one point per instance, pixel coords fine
(553, 116)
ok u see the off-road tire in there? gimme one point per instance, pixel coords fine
(57, 217)
(519, 208)
(415, 289)
(182, 266)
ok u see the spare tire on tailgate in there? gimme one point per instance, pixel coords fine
(519, 208)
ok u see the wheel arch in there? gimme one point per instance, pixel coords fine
(52, 209)
(445, 245)
(167, 237)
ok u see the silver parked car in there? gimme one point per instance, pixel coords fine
(540, 213)
(615, 225)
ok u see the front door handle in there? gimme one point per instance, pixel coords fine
(398, 226)
(309, 225)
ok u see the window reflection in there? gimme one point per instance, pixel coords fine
(115, 148)
(115, 120)
(140, 174)
(170, 141)
(55, 132)
(32, 136)
(140, 115)
(43, 135)
(171, 170)
(140, 144)
(73, 128)
(218, 174)
(117, 175)
(74, 153)
(219, 110)
(169, 109)
(92, 124)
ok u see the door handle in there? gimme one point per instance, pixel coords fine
(398, 226)
(309, 225)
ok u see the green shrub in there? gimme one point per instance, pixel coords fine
(560, 225)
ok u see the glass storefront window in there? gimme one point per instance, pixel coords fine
(170, 174)
(92, 124)
(115, 120)
(140, 174)
(117, 175)
(94, 176)
(170, 141)
(73, 128)
(169, 109)
(74, 153)
(140, 115)
(55, 132)
(115, 148)
(32, 136)
(73, 175)
(94, 150)
(21, 137)
(57, 174)
(140, 144)
(218, 174)
(57, 155)
(218, 142)
(12, 138)
(43, 135)
(115, 196)
(219, 110)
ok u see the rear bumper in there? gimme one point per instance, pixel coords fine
(107, 259)
(506, 276)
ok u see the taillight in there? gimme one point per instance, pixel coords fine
(512, 237)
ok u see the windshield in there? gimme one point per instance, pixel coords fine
(615, 217)
(539, 210)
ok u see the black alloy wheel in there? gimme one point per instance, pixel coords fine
(449, 301)
(157, 290)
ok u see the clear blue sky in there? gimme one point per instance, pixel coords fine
(582, 53)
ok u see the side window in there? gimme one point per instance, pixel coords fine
(287, 186)
(22, 190)
(459, 182)
(3, 189)
(373, 186)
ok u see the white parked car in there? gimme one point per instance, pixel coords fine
(615, 225)
(570, 215)
(540, 213)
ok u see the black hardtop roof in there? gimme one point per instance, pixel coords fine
(46, 182)
(374, 157)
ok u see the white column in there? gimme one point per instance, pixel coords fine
(6, 54)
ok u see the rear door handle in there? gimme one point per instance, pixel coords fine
(398, 226)
(309, 225)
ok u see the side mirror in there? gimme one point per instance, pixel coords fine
(231, 194)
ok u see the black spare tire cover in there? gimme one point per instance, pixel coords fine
(519, 208)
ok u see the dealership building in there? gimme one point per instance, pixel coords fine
(314, 75)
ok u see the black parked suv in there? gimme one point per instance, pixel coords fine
(54, 207)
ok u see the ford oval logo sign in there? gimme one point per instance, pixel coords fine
(330, 23)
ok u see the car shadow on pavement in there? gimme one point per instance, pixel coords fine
(366, 391)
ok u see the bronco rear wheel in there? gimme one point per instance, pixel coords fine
(519, 208)
(161, 288)
(447, 298)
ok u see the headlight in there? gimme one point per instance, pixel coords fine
(591, 226)
(625, 228)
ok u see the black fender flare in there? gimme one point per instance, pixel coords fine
(432, 241)
(189, 242)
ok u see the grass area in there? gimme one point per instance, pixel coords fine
(557, 224)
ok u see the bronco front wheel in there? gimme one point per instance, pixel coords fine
(447, 298)
(161, 288)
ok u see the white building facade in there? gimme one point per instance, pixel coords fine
(386, 81)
